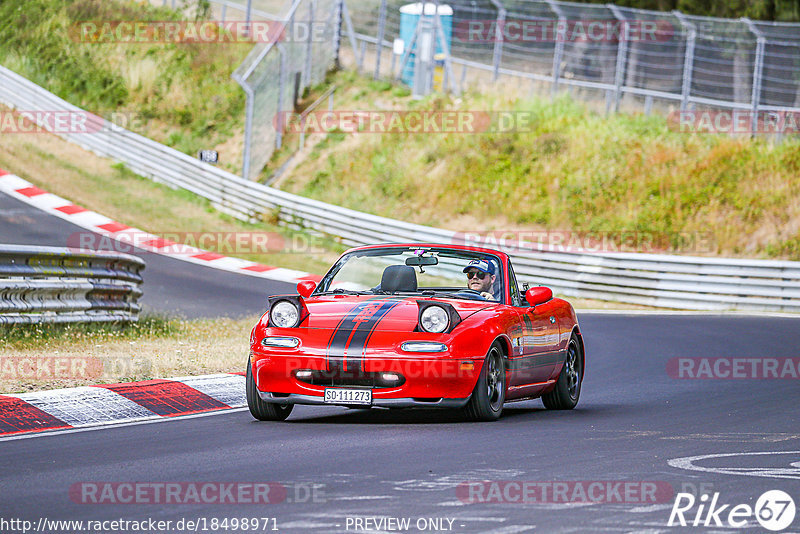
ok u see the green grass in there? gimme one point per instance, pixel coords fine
(149, 326)
(179, 94)
(572, 169)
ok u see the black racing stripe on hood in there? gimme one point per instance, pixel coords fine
(349, 340)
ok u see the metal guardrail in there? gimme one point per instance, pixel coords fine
(59, 285)
(655, 280)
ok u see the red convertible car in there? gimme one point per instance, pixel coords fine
(415, 325)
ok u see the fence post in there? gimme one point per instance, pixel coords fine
(248, 18)
(337, 33)
(622, 54)
(688, 59)
(307, 65)
(447, 76)
(497, 55)
(281, 89)
(558, 51)
(248, 129)
(379, 44)
(758, 69)
(408, 49)
(349, 23)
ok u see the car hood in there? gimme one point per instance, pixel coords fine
(391, 312)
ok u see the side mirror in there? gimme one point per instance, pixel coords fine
(306, 287)
(538, 295)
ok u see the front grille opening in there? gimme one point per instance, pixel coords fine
(350, 378)
(431, 400)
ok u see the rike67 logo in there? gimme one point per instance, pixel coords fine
(774, 510)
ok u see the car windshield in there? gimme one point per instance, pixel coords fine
(411, 270)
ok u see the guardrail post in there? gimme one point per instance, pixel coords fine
(758, 69)
(622, 54)
(688, 59)
(379, 44)
(499, 35)
(560, 37)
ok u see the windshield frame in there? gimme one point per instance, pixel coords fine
(392, 250)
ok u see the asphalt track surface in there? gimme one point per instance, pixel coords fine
(170, 285)
(633, 418)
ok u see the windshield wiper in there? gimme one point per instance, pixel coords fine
(340, 291)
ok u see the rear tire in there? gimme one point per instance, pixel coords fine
(568, 386)
(263, 411)
(486, 402)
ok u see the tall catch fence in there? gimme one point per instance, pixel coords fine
(622, 55)
(275, 73)
(682, 60)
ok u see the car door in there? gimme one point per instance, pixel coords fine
(536, 343)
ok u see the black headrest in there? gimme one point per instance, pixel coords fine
(399, 278)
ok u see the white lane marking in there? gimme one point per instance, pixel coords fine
(227, 389)
(792, 473)
(11, 182)
(105, 426)
(86, 405)
(704, 313)
(509, 529)
(650, 508)
(453, 481)
(364, 497)
(310, 524)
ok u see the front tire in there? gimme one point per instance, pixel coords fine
(486, 402)
(568, 387)
(263, 411)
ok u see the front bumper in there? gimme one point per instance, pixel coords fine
(436, 382)
(294, 398)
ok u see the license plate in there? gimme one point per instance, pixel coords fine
(348, 396)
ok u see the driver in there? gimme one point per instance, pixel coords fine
(481, 277)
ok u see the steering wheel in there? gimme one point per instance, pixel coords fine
(471, 294)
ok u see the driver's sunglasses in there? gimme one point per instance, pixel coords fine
(480, 274)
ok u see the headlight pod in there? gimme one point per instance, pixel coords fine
(434, 319)
(284, 314)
